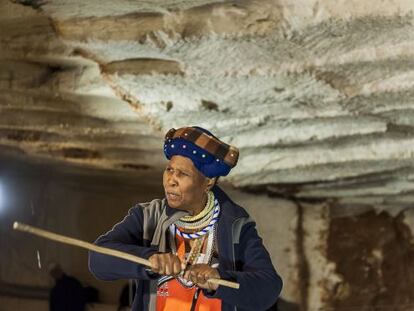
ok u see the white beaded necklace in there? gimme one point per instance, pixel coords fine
(206, 229)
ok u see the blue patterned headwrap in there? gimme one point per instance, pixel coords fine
(210, 156)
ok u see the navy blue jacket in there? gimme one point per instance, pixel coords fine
(242, 258)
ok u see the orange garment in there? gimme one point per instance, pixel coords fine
(173, 296)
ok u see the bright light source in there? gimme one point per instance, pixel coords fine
(2, 194)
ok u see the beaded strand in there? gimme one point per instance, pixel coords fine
(206, 229)
(195, 254)
(207, 209)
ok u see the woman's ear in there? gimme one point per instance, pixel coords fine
(211, 182)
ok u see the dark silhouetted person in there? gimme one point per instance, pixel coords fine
(67, 294)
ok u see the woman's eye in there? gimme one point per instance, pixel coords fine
(181, 174)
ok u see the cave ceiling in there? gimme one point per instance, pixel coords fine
(317, 94)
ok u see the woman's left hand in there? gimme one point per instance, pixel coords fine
(200, 273)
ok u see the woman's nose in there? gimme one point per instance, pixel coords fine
(172, 181)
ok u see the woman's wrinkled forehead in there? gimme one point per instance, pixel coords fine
(183, 164)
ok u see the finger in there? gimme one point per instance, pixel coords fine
(209, 275)
(202, 275)
(154, 263)
(202, 278)
(192, 271)
(191, 276)
(203, 282)
(176, 266)
(186, 275)
(194, 277)
(188, 272)
(183, 265)
(161, 262)
(168, 264)
(173, 265)
(212, 274)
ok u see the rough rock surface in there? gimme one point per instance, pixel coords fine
(375, 260)
(318, 95)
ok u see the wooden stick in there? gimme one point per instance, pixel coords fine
(103, 250)
(71, 241)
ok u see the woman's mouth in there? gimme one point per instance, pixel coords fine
(172, 196)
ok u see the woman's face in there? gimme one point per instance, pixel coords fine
(185, 187)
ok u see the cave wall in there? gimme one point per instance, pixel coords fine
(330, 258)
(317, 94)
(373, 252)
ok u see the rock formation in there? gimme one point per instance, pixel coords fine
(317, 94)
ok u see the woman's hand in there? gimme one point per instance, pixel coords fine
(200, 273)
(165, 264)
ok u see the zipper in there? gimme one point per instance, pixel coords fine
(195, 298)
(233, 252)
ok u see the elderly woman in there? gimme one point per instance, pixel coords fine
(194, 234)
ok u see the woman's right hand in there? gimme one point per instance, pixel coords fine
(165, 264)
